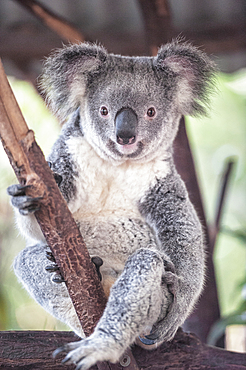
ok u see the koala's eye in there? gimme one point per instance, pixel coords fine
(104, 111)
(151, 112)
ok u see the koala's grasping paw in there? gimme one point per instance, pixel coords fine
(21, 201)
(114, 166)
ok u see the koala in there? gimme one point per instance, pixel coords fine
(113, 162)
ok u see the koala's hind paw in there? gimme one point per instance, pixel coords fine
(57, 278)
(89, 351)
(21, 201)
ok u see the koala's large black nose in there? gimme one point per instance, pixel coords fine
(126, 126)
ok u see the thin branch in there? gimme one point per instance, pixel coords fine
(59, 25)
(225, 182)
(215, 228)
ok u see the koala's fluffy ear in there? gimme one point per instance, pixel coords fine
(193, 72)
(66, 73)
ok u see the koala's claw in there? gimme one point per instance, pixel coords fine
(85, 353)
(147, 341)
(66, 348)
(57, 278)
(57, 351)
(57, 177)
(17, 189)
(98, 262)
(52, 268)
(50, 256)
(21, 201)
(152, 338)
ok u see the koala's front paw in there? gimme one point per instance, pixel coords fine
(25, 204)
(89, 351)
(170, 277)
(57, 278)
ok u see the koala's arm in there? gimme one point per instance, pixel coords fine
(62, 167)
(168, 210)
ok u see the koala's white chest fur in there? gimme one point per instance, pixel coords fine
(104, 189)
(106, 205)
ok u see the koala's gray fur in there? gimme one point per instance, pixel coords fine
(119, 180)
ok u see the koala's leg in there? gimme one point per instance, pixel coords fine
(30, 267)
(135, 302)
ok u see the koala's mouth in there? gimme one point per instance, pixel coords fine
(127, 148)
(127, 151)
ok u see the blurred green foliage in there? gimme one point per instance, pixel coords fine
(213, 139)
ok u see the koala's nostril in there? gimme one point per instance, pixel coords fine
(126, 140)
(132, 140)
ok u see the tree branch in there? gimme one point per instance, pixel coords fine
(215, 228)
(184, 352)
(60, 26)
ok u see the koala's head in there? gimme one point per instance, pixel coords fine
(130, 106)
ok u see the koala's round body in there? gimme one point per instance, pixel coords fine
(114, 165)
(106, 204)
